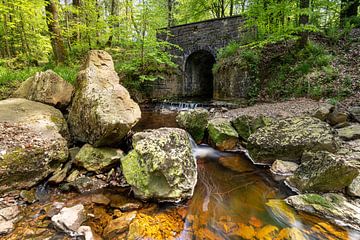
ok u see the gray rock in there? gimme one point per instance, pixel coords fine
(69, 219)
(283, 168)
(102, 112)
(335, 207)
(8, 216)
(97, 159)
(222, 135)
(6, 227)
(162, 165)
(351, 132)
(32, 145)
(60, 174)
(246, 125)
(287, 139)
(85, 184)
(354, 187)
(194, 121)
(86, 232)
(46, 87)
(355, 112)
(323, 172)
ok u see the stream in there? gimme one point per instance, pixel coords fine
(233, 199)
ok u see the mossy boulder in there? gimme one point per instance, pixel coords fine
(287, 139)
(351, 132)
(97, 159)
(323, 172)
(222, 135)
(102, 112)
(246, 125)
(46, 87)
(161, 166)
(355, 113)
(334, 207)
(31, 143)
(194, 121)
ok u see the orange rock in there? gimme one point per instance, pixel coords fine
(290, 234)
(244, 232)
(255, 222)
(268, 232)
(325, 230)
(119, 225)
(205, 233)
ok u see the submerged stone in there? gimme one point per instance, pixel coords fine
(194, 121)
(334, 207)
(32, 143)
(323, 172)
(102, 112)
(287, 139)
(222, 135)
(161, 166)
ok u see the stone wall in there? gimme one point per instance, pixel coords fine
(195, 38)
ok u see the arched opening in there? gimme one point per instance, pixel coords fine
(198, 74)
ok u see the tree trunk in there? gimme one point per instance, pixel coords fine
(170, 5)
(112, 25)
(304, 20)
(7, 51)
(231, 7)
(349, 8)
(57, 41)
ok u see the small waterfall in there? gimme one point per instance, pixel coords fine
(179, 106)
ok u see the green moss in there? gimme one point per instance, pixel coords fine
(317, 199)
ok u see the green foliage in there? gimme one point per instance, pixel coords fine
(228, 50)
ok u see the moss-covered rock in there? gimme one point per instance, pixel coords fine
(194, 121)
(46, 87)
(161, 166)
(102, 112)
(246, 125)
(222, 135)
(287, 139)
(351, 132)
(31, 144)
(323, 172)
(97, 159)
(334, 207)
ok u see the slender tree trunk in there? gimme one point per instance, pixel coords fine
(349, 8)
(7, 51)
(231, 7)
(57, 41)
(112, 25)
(304, 20)
(170, 5)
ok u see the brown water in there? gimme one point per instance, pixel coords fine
(239, 201)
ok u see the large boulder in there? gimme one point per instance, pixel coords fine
(351, 132)
(31, 142)
(323, 172)
(355, 113)
(46, 87)
(161, 166)
(97, 159)
(102, 112)
(334, 207)
(287, 139)
(222, 135)
(194, 121)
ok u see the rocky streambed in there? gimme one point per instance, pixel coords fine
(76, 163)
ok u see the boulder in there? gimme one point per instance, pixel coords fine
(194, 121)
(287, 139)
(335, 207)
(85, 184)
(69, 219)
(32, 143)
(222, 135)
(354, 187)
(97, 159)
(118, 225)
(337, 117)
(8, 216)
(102, 112)
(351, 132)
(323, 172)
(323, 111)
(355, 113)
(161, 166)
(283, 168)
(246, 125)
(46, 87)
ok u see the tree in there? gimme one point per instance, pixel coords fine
(349, 9)
(57, 41)
(304, 20)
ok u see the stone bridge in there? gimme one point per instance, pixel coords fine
(199, 43)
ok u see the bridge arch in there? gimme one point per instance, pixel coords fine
(198, 77)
